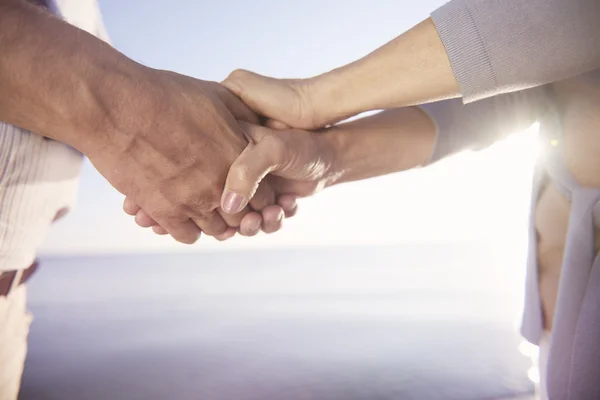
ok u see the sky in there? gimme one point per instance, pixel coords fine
(471, 197)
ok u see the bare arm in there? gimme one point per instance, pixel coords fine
(57, 80)
(472, 49)
(306, 161)
(391, 141)
(411, 69)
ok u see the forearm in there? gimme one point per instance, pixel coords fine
(404, 138)
(411, 69)
(474, 49)
(388, 142)
(57, 80)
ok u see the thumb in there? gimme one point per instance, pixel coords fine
(257, 160)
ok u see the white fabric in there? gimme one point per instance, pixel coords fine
(14, 328)
(84, 14)
(38, 177)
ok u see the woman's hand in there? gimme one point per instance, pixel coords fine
(295, 102)
(298, 162)
(301, 163)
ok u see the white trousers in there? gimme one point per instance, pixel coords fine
(14, 329)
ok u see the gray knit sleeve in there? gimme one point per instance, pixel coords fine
(501, 46)
(478, 125)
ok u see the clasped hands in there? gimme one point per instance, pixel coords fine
(234, 174)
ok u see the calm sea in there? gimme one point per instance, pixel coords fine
(404, 322)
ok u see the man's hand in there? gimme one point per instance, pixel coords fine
(171, 150)
(248, 222)
(269, 220)
(164, 140)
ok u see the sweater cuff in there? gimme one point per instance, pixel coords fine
(447, 142)
(465, 47)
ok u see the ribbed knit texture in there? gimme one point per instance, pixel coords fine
(501, 46)
(38, 177)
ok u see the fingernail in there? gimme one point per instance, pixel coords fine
(233, 202)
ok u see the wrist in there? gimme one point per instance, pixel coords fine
(92, 101)
(121, 100)
(327, 97)
(330, 143)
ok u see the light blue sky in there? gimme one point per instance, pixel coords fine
(208, 39)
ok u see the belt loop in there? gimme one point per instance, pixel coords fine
(16, 281)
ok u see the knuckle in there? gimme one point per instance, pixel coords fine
(200, 203)
(168, 216)
(186, 233)
(160, 214)
(238, 75)
(219, 230)
(213, 226)
(129, 206)
(235, 83)
(177, 213)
